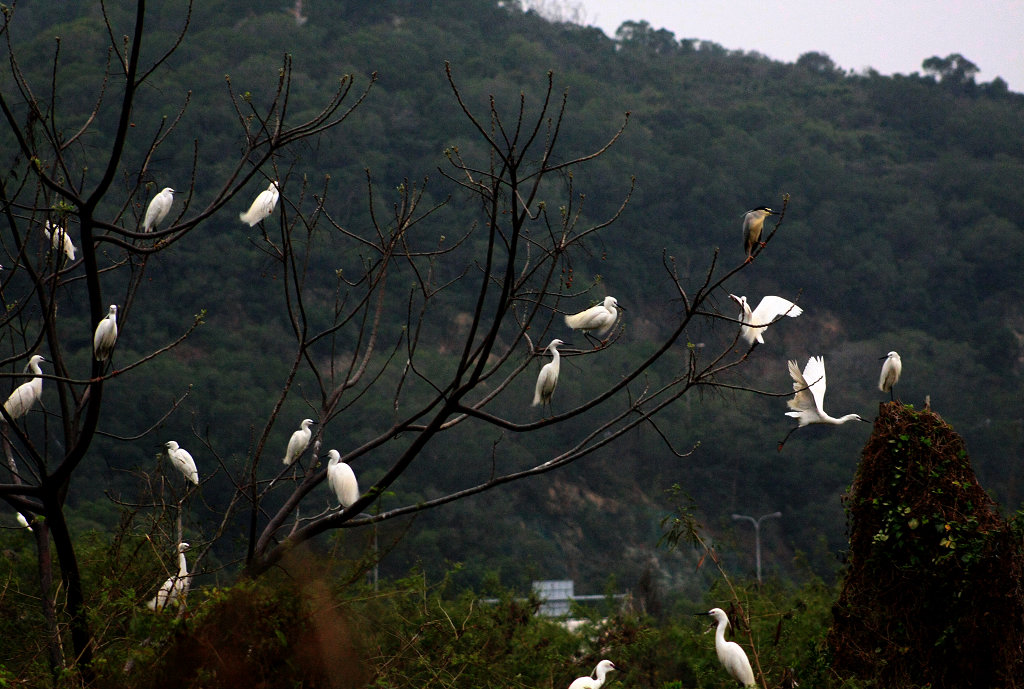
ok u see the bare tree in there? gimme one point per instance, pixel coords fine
(513, 266)
(52, 180)
(531, 227)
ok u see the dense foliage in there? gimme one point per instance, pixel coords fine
(934, 593)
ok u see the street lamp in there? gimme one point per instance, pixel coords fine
(757, 536)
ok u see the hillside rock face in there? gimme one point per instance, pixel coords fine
(934, 590)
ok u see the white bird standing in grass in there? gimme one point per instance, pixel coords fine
(59, 239)
(598, 318)
(601, 671)
(158, 209)
(341, 479)
(753, 224)
(547, 379)
(730, 654)
(262, 206)
(176, 587)
(891, 370)
(26, 394)
(298, 443)
(105, 337)
(757, 321)
(182, 461)
(807, 403)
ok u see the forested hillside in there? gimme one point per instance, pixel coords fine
(902, 231)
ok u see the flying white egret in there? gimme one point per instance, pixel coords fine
(262, 206)
(176, 587)
(807, 403)
(598, 318)
(730, 654)
(105, 336)
(158, 209)
(341, 479)
(298, 443)
(26, 394)
(753, 223)
(59, 239)
(547, 379)
(602, 669)
(891, 370)
(757, 321)
(182, 461)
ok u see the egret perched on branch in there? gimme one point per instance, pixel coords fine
(298, 443)
(182, 461)
(730, 654)
(891, 370)
(601, 671)
(807, 403)
(757, 321)
(753, 223)
(176, 587)
(105, 336)
(59, 239)
(26, 394)
(158, 209)
(341, 479)
(547, 379)
(262, 206)
(598, 318)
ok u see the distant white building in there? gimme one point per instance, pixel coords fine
(556, 594)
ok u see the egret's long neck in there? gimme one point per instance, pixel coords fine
(720, 633)
(555, 356)
(182, 564)
(841, 420)
(35, 368)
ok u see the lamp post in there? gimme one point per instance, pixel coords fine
(757, 536)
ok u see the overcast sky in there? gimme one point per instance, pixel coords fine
(891, 36)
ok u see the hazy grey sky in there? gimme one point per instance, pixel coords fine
(891, 36)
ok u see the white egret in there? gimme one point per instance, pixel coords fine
(105, 336)
(182, 461)
(598, 318)
(298, 443)
(807, 403)
(547, 379)
(341, 479)
(262, 206)
(753, 223)
(757, 321)
(176, 587)
(23, 521)
(730, 654)
(601, 671)
(26, 394)
(891, 370)
(59, 239)
(158, 209)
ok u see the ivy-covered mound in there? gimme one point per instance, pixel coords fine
(933, 593)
